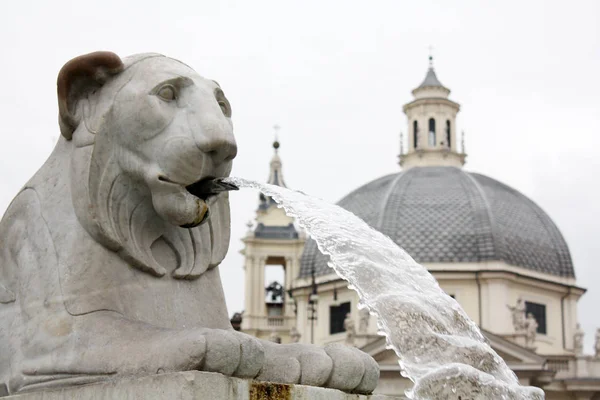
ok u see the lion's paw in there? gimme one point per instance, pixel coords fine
(336, 366)
(280, 369)
(353, 370)
(233, 353)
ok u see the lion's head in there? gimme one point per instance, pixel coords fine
(144, 131)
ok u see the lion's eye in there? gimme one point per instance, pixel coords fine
(223, 103)
(225, 108)
(167, 93)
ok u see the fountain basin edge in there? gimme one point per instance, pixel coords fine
(192, 385)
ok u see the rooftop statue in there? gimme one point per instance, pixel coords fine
(518, 315)
(578, 340)
(109, 254)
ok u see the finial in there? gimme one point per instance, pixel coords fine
(430, 56)
(276, 128)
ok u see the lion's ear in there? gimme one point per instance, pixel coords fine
(79, 77)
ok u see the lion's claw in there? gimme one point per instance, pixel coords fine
(336, 366)
(348, 367)
(281, 370)
(232, 353)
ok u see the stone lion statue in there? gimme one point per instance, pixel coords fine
(109, 255)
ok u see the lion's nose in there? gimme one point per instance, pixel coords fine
(219, 149)
(215, 138)
(222, 150)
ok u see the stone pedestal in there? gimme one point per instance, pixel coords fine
(192, 386)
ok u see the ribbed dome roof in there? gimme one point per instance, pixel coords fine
(445, 214)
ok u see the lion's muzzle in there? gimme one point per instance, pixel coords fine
(187, 206)
(202, 190)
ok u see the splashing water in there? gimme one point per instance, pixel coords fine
(439, 348)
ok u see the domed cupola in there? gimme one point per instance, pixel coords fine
(448, 215)
(440, 213)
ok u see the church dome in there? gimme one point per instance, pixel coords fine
(443, 214)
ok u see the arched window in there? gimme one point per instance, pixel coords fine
(432, 141)
(448, 135)
(415, 134)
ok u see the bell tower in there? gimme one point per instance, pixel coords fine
(432, 133)
(273, 246)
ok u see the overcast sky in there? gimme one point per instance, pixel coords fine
(334, 75)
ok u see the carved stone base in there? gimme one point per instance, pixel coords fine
(192, 386)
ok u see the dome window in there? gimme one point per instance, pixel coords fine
(415, 134)
(448, 136)
(432, 140)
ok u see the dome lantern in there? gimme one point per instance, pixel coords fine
(432, 139)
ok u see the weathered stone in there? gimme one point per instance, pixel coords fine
(109, 255)
(193, 386)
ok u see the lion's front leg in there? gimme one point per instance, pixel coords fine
(104, 344)
(136, 348)
(335, 366)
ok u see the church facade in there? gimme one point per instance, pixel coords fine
(491, 248)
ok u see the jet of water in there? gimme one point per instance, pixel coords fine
(439, 348)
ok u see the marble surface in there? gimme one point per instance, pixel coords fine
(194, 386)
(109, 254)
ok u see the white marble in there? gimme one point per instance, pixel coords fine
(109, 254)
(194, 386)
